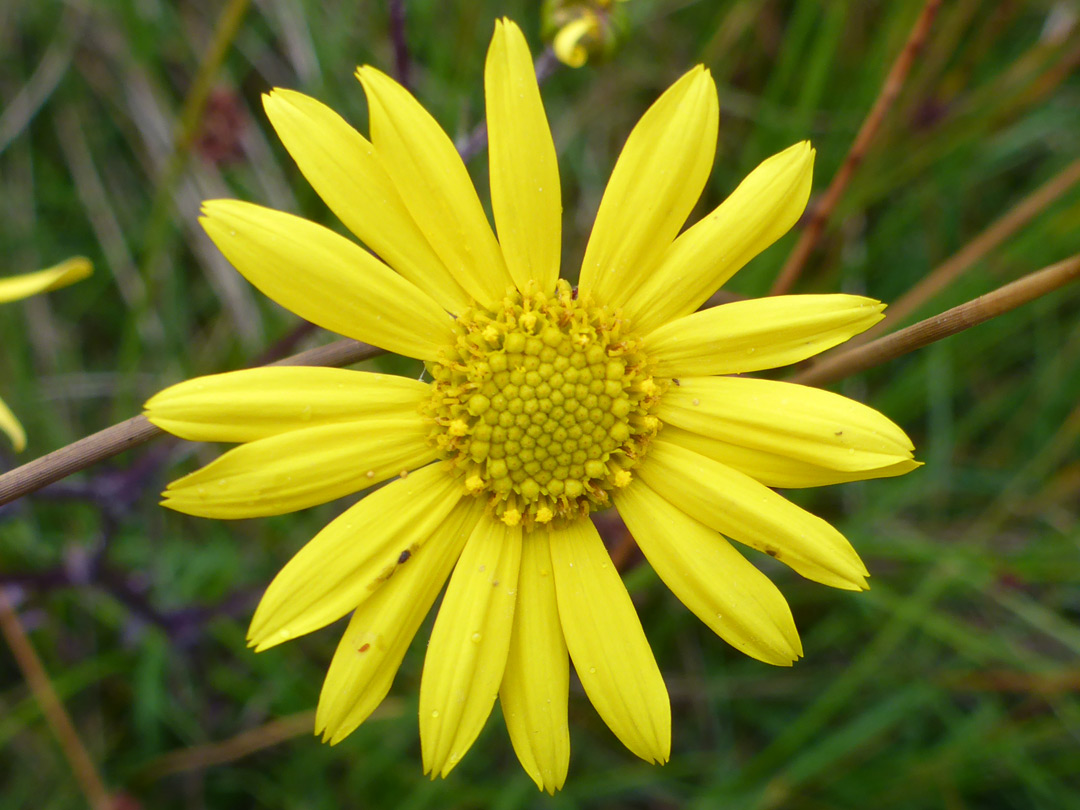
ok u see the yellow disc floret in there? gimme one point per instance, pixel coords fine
(543, 405)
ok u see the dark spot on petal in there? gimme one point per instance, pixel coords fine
(404, 556)
(364, 648)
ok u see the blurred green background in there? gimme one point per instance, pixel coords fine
(953, 683)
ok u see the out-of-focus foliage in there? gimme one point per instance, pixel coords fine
(953, 682)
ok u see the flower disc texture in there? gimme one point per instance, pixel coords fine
(545, 404)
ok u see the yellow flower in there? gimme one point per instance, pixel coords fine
(579, 29)
(545, 404)
(14, 288)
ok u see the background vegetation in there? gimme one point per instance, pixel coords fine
(952, 683)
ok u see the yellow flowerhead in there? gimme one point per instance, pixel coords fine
(544, 404)
(15, 288)
(579, 29)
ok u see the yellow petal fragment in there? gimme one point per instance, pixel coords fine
(469, 642)
(342, 167)
(606, 643)
(740, 508)
(761, 210)
(379, 633)
(536, 682)
(61, 275)
(326, 279)
(525, 193)
(241, 406)
(435, 186)
(353, 556)
(11, 426)
(655, 184)
(736, 601)
(568, 43)
(758, 334)
(804, 423)
(775, 470)
(302, 468)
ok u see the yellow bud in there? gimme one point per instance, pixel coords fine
(595, 468)
(478, 403)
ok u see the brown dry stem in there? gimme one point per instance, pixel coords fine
(33, 671)
(200, 757)
(137, 430)
(977, 249)
(823, 209)
(1022, 291)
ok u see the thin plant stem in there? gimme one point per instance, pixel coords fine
(977, 249)
(137, 430)
(225, 31)
(823, 209)
(1022, 291)
(402, 62)
(90, 781)
(200, 757)
(37, 89)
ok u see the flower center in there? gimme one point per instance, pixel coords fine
(542, 404)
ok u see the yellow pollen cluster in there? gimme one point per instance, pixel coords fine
(543, 405)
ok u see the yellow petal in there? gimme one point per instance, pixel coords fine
(739, 507)
(655, 183)
(241, 406)
(326, 279)
(302, 468)
(536, 682)
(807, 424)
(762, 333)
(381, 629)
(525, 193)
(776, 470)
(710, 577)
(606, 643)
(353, 556)
(469, 642)
(568, 42)
(435, 186)
(10, 425)
(761, 210)
(67, 272)
(342, 167)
